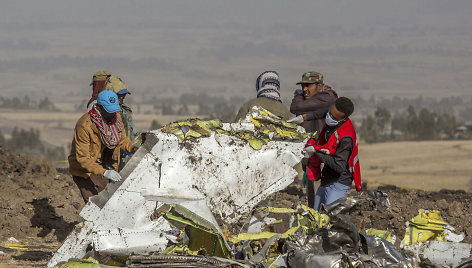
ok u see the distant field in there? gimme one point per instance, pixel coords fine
(57, 127)
(429, 165)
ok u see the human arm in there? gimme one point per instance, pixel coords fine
(318, 114)
(84, 146)
(301, 106)
(339, 160)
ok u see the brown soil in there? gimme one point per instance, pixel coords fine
(38, 207)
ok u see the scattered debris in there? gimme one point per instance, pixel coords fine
(14, 240)
(427, 226)
(440, 253)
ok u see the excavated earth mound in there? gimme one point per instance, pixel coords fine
(38, 207)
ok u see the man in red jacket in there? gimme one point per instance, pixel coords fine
(337, 148)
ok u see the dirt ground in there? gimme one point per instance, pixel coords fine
(39, 206)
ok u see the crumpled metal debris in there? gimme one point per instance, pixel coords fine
(381, 201)
(340, 244)
(165, 260)
(300, 258)
(440, 253)
(211, 173)
(384, 234)
(428, 226)
(267, 126)
(384, 254)
(192, 128)
(304, 218)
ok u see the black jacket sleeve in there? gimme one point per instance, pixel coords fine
(318, 114)
(321, 100)
(339, 161)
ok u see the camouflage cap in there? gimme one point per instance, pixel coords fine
(311, 78)
(101, 75)
(115, 84)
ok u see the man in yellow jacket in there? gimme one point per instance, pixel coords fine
(99, 136)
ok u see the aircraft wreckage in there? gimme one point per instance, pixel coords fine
(207, 167)
(191, 197)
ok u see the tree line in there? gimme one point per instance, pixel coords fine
(28, 142)
(27, 103)
(412, 125)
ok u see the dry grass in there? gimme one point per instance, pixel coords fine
(428, 165)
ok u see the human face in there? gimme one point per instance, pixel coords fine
(309, 90)
(121, 98)
(336, 114)
(106, 115)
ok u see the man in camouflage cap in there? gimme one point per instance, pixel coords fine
(313, 99)
(313, 96)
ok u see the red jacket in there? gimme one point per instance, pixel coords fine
(329, 147)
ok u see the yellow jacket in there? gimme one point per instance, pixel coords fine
(87, 147)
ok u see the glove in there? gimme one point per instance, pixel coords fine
(304, 179)
(296, 120)
(112, 175)
(308, 151)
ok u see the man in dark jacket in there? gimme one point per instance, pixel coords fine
(313, 96)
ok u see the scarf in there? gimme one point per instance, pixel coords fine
(268, 85)
(110, 132)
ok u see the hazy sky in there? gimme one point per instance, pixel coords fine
(220, 13)
(170, 47)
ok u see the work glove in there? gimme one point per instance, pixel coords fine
(304, 179)
(296, 120)
(112, 175)
(308, 151)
